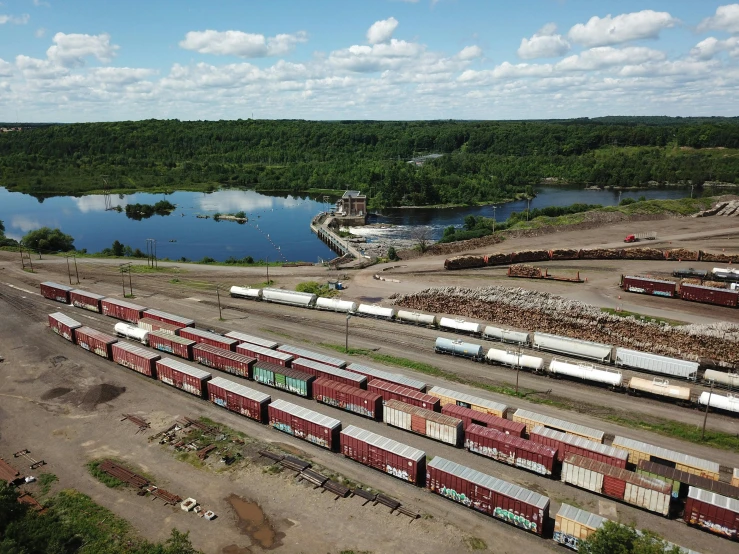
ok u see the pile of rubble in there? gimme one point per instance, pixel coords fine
(728, 208)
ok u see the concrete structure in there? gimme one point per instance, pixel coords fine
(352, 204)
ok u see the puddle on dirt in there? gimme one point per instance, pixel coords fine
(56, 361)
(100, 394)
(252, 521)
(51, 394)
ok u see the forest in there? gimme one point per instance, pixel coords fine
(481, 161)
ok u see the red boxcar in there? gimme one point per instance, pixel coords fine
(396, 459)
(330, 372)
(206, 337)
(567, 444)
(63, 325)
(371, 373)
(346, 397)
(238, 398)
(510, 449)
(310, 355)
(224, 360)
(475, 417)
(161, 340)
(182, 376)
(169, 318)
(122, 310)
(646, 285)
(86, 300)
(305, 424)
(251, 339)
(155, 325)
(712, 512)
(521, 507)
(391, 391)
(135, 357)
(55, 291)
(265, 354)
(94, 341)
(709, 295)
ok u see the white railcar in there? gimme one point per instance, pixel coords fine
(460, 325)
(246, 292)
(730, 380)
(131, 332)
(656, 364)
(373, 310)
(574, 347)
(513, 359)
(417, 318)
(336, 305)
(730, 403)
(289, 297)
(506, 335)
(587, 373)
(660, 387)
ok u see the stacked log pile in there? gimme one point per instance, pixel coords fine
(564, 254)
(464, 262)
(715, 284)
(601, 254)
(643, 254)
(691, 281)
(530, 256)
(682, 254)
(718, 258)
(499, 259)
(548, 313)
(524, 271)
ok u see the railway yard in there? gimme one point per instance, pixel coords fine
(65, 405)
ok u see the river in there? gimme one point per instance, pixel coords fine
(278, 227)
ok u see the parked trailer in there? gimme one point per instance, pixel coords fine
(265, 354)
(510, 449)
(336, 305)
(309, 355)
(681, 481)
(330, 372)
(639, 451)
(86, 300)
(417, 318)
(289, 297)
(172, 344)
(183, 376)
(149, 324)
(615, 482)
(656, 364)
(647, 285)
(475, 417)
(136, 358)
(251, 339)
(55, 291)
(206, 337)
(346, 397)
(728, 403)
(460, 326)
(532, 419)
(659, 387)
(238, 398)
(567, 444)
(572, 525)
(120, 309)
(573, 347)
(246, 292)
(130, 332)
(458, 348)
(305, 424)
(95, 341)
(587, 372)
(223, 360)
(423, 422)
(506, 335)
(391, 391)
(513, 504)
(379, 312)
(712, 512)
(514, 359)
(395, 378)
(169, 318)
(287, 379)
(709, 295)
(730, 380)
(63, 325)
(448, 396)
(389, 456)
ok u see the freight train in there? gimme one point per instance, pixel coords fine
(693, 292)
(553, 447)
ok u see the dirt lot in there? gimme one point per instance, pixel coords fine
(69, 427)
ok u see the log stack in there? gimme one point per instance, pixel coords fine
(522, 270)
(530, 256)
(601, 254)
(683, 254)
(643, 254)
(718, 258)
(464, 262)
(564, 254)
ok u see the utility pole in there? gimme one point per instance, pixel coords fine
(123, 281)
(267, 258)
(130, 285)
(705, 416)
(528, 207)
(346, 343)
(218, 294)
(148, 254)
(494, 208)
(77, 273)
(20, 249)
(69, 273)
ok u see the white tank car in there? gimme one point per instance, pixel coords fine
(246, 292)
(460, 325)
(722, 378)
(131, 332)
(372, 310)
(506, 335)
(730, 403)
(512, 359)
(660, 387)
(587, 373)
(336, 305)
(289, 297)
(417, 318)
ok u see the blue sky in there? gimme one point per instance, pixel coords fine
(102, 60)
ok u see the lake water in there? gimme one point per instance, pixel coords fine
(278, 226)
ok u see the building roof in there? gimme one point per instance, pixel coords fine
(353, 194)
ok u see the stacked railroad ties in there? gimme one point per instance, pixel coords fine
(553, 447)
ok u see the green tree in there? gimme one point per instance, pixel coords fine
(48, 240)
(470, 222)
(614, 538)
(392, 254)
(118, 249)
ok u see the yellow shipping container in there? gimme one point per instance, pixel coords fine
(639, 451)
(532, 419)
(572, 525)
(447, 396)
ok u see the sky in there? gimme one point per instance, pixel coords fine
(105, 60)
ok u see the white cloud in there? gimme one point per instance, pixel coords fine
(545, 43)
(243, 45)
(24, 223)
(710, 47)
(34, 69)
(382, 31)
(377, 57)
(470, 53)
(6, 68)
(40, 32)
(39, 3)
(607, 56)
(15, 19)
(70, 50)
(725, 19)
(622, 28)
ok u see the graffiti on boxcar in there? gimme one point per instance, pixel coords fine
(399, 473)
(568, 540)
(221, 402)
(167, 380)
(190, 388)
(456, 496)
(713, 527)
(84, 345)
(163, 348)
(284, 427)
(510, 517)
(533, 466)
(320, 441)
